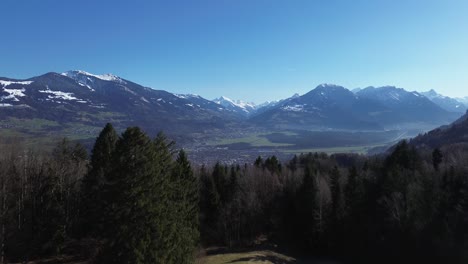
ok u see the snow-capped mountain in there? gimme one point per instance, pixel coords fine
(390, 95)
(447, 103)
(237, 106)
(81, 97)
(85, 100)
(404, 107)
(325, 107)
(331, 106)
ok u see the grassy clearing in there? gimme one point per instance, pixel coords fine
(35, 124)
(263, 256)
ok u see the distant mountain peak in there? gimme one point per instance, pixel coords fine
(328, 85)
(447, 103)
(239, 103)
(75, 74)
(238, 106)
(432, 94)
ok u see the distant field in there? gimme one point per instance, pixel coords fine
(43, 134)
(254, 140)
(310, 141)
(333, 150)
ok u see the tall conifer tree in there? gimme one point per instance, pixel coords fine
(137, 202)
(92, 189)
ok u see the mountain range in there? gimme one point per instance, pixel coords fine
(83, 102)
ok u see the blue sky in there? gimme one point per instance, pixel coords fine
(253, 50)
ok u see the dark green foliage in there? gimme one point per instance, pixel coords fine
(153, 203)
(258, 162)
(94, 198)
(273, 164)
(136, 188)
(185, 206)
(147, 207)
(307, 206)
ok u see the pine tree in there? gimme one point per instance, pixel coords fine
(219, 176)
(94, 200)
(307, 208)
(273, 165)
(139, 202)
(186, 201)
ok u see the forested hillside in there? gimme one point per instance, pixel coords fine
(138, 200)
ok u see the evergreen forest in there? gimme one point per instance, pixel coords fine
(137, 199)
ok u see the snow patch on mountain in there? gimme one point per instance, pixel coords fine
(59, 95)
(294, 108)
(187, 96)
(6, 83)
(13, 94)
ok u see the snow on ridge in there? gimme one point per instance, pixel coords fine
(6, 83)
(105, 77)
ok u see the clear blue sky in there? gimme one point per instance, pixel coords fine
(245, 49)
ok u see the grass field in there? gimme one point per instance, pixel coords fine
(42, 134)
(263, 256)
(285, 142)
(333, 150)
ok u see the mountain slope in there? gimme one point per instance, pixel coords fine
(457, 132)
(399, 107)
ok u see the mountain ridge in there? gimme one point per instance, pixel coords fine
(89, 99)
